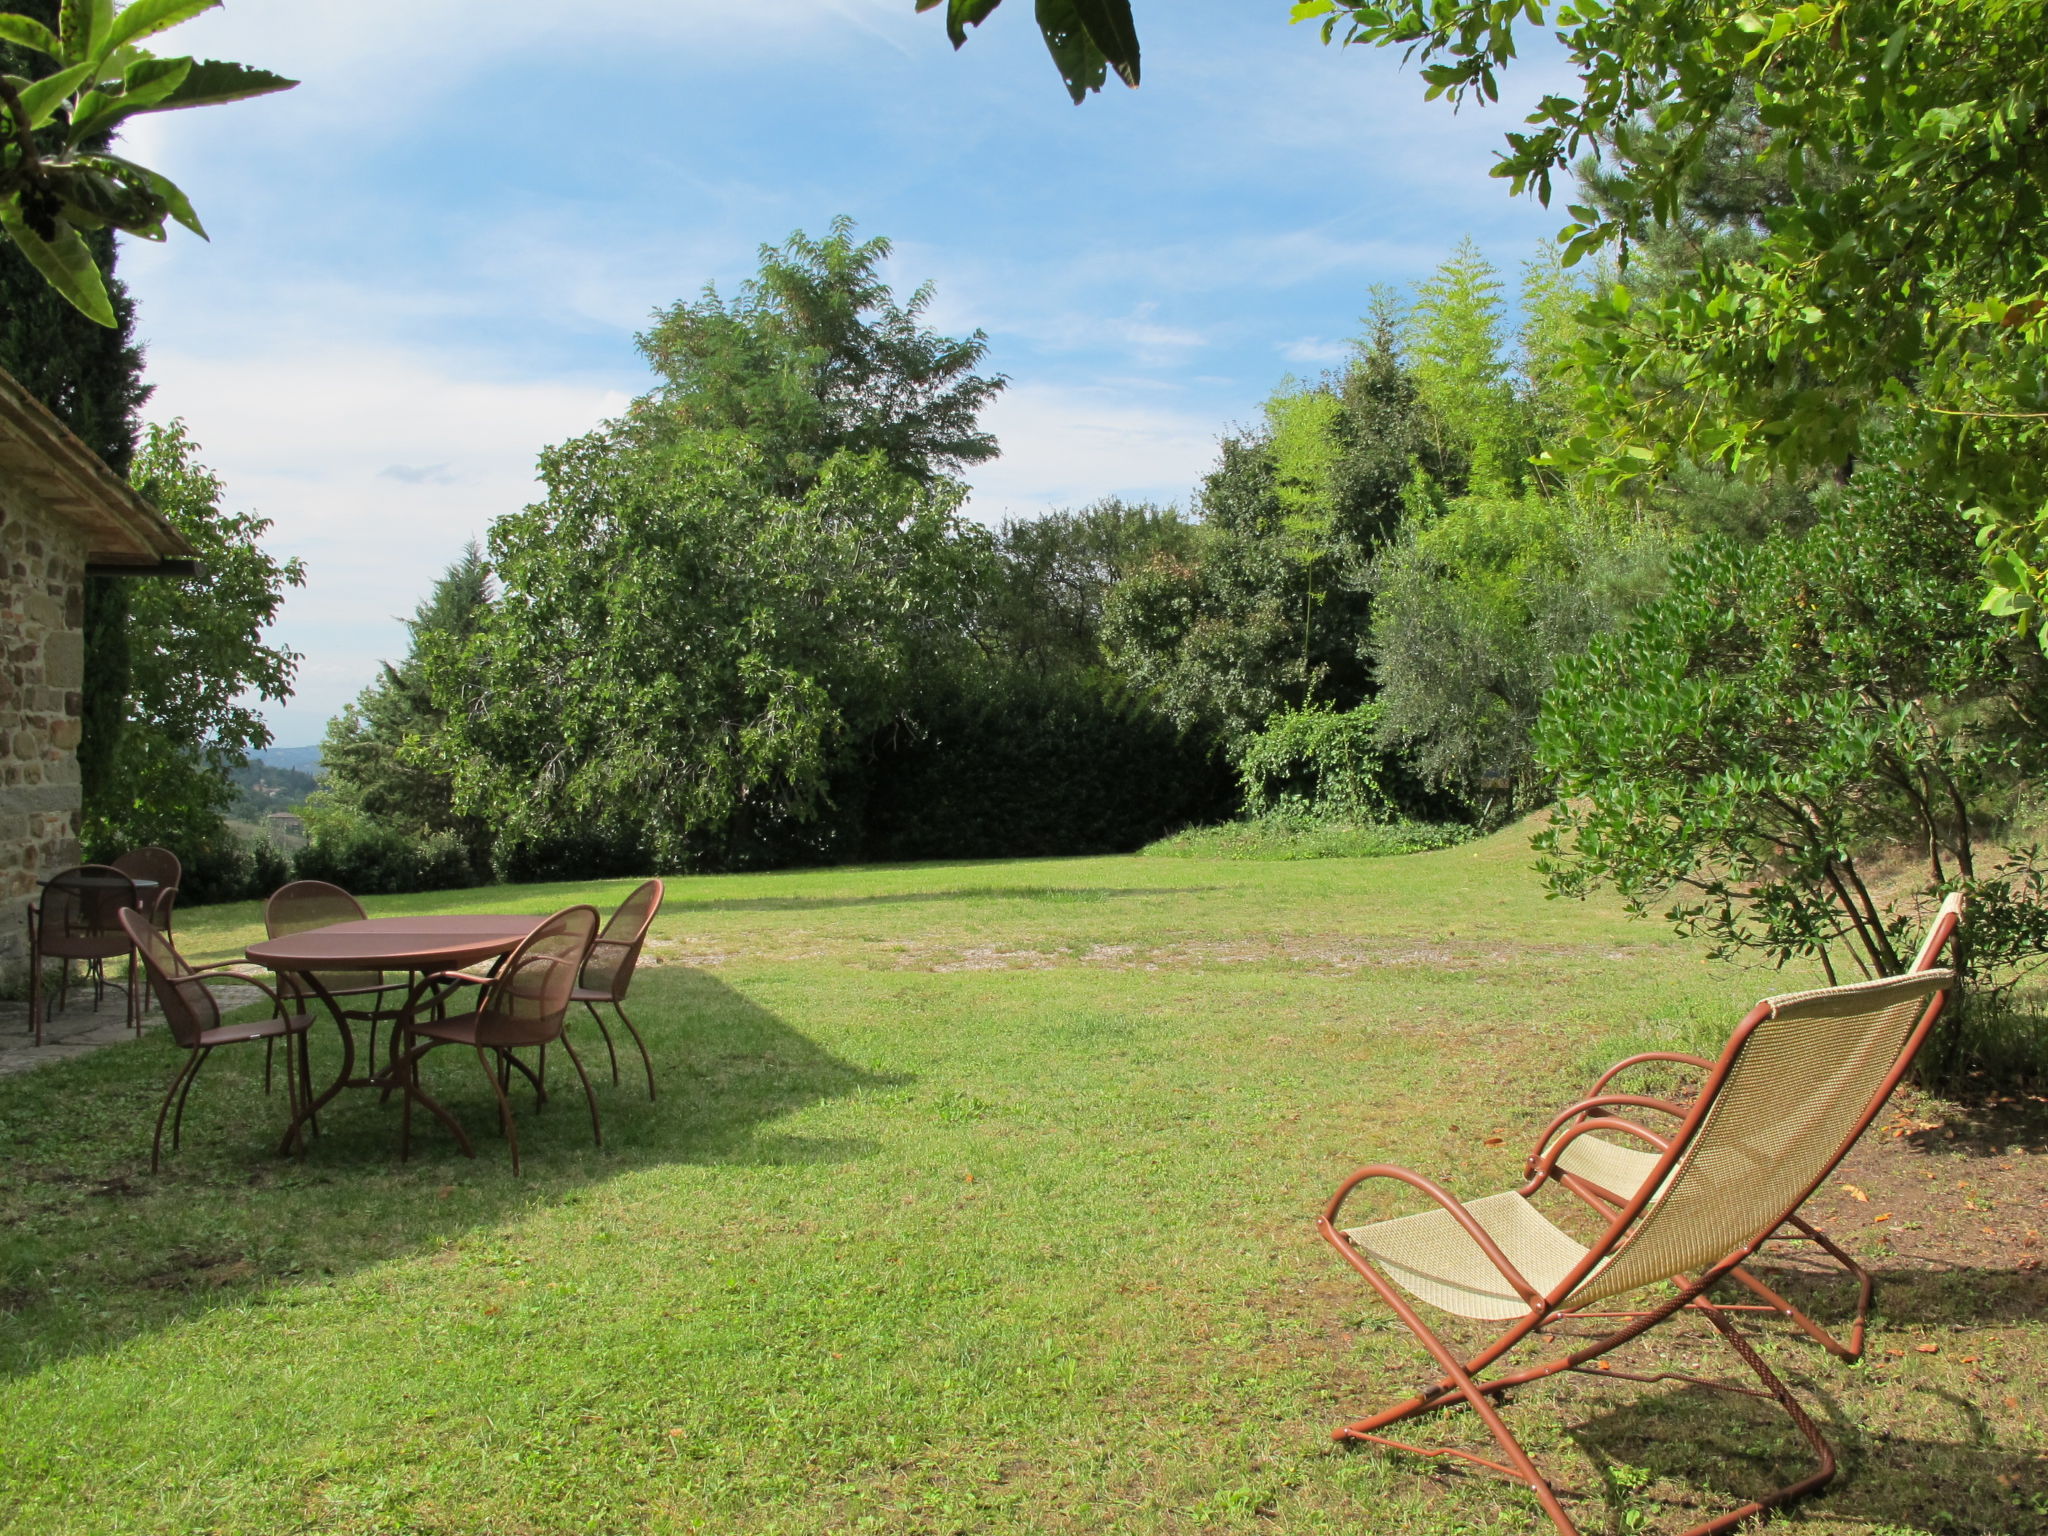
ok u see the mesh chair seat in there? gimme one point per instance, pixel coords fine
(1618, 1170)
(1435, 1260)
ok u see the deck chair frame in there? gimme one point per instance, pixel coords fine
(1607, 1200)
(1462, 1379)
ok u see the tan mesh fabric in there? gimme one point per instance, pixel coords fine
(1803, 1083)
(1617, 1169)
(1433, 1258)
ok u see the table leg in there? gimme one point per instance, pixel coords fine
(313, 1106)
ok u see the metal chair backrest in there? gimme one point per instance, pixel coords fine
(158, 864)
(308, 904)
(161, 866)
(189, 1008)
(79, 915)
(1801, 1079)
(616, 951)
(526, 1001)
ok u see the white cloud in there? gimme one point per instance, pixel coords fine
(1064, 447)
(1314, 349)
(376, 465)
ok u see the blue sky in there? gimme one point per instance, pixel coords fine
(429, 261)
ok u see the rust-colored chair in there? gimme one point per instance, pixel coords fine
(308, 904)
(194, 1017)
(608, 973)
(1801, 1079)
(78, 918)
(161, 866)
(524, 1002)
(1606, 1173)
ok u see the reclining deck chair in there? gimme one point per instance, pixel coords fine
(1605, 1174)
(1801, 1078)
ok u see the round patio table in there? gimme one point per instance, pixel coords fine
(415, 944)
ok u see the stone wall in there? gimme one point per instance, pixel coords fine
(42, 670)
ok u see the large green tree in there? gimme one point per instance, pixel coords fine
(814, 356)
(380, 751)
(678, 658)
(198, 663)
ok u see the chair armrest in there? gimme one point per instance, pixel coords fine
(1327, 1224)
(1585, 1107)
(436, 978)
(1647, 1056)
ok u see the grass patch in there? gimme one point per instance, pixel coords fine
(1299, 837)
(977, 1198)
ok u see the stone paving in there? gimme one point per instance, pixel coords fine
(79, 1028)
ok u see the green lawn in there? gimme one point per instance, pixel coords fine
(978, 1198)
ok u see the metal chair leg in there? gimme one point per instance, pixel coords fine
(596, 1130)
(645, 1060)
(178, 1120)
(156, 1145)
(610, 1049)
(504, 1106)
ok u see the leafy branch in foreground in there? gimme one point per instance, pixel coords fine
(1803, 738)
(1086, 38)
(56, 176)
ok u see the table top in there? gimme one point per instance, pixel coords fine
(424, 943)
(104, 882)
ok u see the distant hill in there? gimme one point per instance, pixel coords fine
(299, 759)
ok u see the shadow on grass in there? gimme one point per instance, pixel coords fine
(1937, 1296)
(94, 1249)
(1705, 1452)
(1051, 893)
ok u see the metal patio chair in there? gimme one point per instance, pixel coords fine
(194, 1017)
(523, 1002)
(162, 866)
(1606, 1174)
(77, 917)
(1801, 1078)
(608, 973)
(307, 904)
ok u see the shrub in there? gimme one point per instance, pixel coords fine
(1285, 836)
(1319, 760)
(371, 859)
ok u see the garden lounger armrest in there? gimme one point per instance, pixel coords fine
(1586, 1107)
(1479, 1235)
(1625, 1063)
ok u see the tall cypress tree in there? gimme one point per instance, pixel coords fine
(90, 376)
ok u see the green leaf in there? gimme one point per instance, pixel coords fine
(212, 80)
(65, 262)
(146, 18)
(25, 33)
(1081, 64)
(960, 15)
(81, 24)
(41, 98)
(147, 83)
(1114, 34)
(172, 194)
